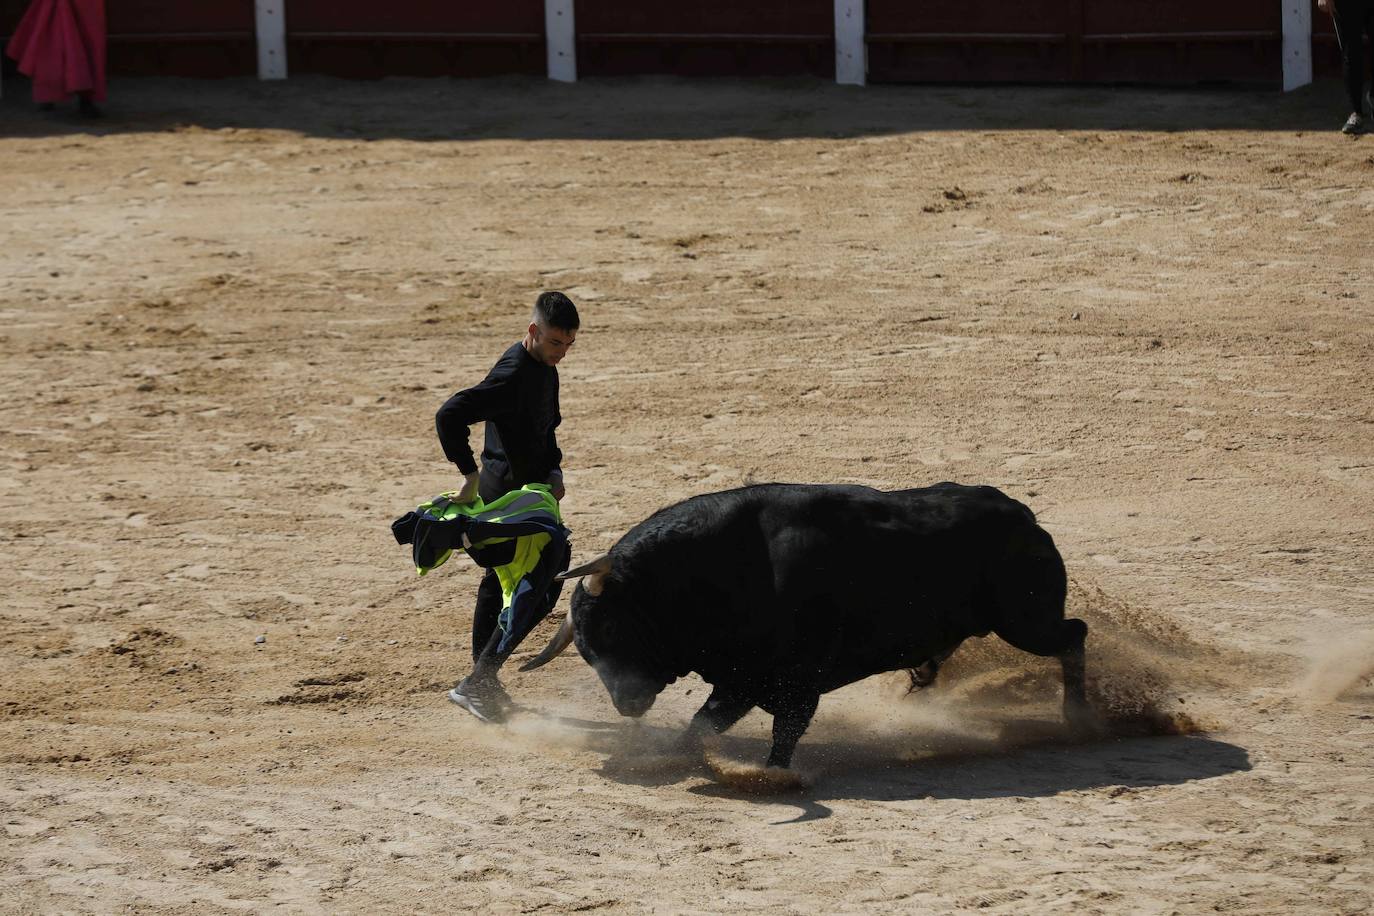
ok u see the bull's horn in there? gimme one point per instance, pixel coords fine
(596, 572)
(560, 641)
(600, 565)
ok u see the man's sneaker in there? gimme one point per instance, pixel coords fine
(1354, 124)
(484, 704)
(492, 689)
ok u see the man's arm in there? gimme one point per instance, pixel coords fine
(490, 400)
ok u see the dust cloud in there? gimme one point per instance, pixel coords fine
(1145, 677)
(1338, 671)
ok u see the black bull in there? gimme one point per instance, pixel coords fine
(776, 594)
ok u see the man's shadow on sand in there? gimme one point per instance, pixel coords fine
(1018, 758)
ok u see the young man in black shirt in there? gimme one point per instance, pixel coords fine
(518, 400)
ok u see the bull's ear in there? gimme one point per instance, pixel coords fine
(596, 571)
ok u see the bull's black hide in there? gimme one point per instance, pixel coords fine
(776, 594)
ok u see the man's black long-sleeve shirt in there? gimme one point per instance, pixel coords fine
(519, 402)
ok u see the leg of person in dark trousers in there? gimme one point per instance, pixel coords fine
(1352, 20)
(484, 683)
(485, 616)
(1369, 86)
(481, 692)
(490, 598)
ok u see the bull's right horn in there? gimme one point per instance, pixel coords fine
(560, 641)
(595, 571)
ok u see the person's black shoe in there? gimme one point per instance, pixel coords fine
(88, 108)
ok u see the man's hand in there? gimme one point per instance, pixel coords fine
(555, 482)
(1327, 6)
(469, 492)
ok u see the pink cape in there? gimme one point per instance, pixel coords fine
(60, 45)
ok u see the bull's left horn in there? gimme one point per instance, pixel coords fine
(560, 641)
(595, 571)
(600, 566)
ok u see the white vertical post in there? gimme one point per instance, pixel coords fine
(270, 18)
(851, 53)
(560, 36)
(1297, 44)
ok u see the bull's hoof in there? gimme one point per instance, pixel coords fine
(1083, 721)
(922, 676)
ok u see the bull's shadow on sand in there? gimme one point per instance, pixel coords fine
(1037, 759)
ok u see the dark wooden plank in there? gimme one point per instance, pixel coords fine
(368, 40)
(454, 16)
(1089, 41)
(732, 17)
(706, 37)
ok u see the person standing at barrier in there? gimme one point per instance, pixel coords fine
(518, 400)
(60, 45)
(1354, 20)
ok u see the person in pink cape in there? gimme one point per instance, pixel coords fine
(60, 45)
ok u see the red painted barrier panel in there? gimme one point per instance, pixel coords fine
(1182, 41)
(1027, 17)
(972, 41)
(354, 38)
(1180, 16)
(340, 37)
(207, 38)
(1090, 41)
(148, 17)
(706, 37)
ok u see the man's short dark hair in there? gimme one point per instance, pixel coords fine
(557, 311)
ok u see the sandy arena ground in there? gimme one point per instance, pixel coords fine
(230, 311)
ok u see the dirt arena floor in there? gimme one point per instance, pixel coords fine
(231, 309)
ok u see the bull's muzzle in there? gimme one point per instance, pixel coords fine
(633, 706)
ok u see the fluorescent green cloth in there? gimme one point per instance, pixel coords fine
(533, 502)
(519, 536)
